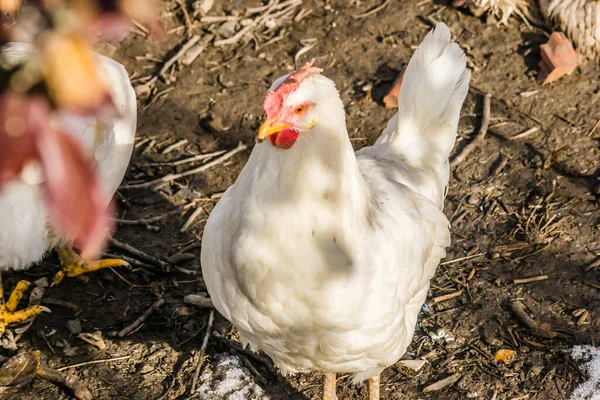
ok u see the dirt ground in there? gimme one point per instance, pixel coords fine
(519, 208)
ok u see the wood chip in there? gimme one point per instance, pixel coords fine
(443, 383)
(505, 356)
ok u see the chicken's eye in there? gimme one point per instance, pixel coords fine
(299, 110)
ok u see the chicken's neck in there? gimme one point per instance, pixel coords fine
(319, 171)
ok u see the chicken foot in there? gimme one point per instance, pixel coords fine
(329, 387)
(73, 265)
(8, 313)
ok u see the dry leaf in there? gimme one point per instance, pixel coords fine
(20, 369)
(505, 356)
(74, 196)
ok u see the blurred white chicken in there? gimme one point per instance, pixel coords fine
(26, 230)
(322, 257)
(578, 19)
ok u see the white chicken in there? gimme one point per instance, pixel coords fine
(322, 257)
(26, 230)
(579, 19)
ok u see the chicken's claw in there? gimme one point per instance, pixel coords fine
(73, 265)
(8, 313)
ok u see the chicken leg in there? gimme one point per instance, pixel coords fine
(374, 387)
(329, 387)
(73, 265)
(8, 313)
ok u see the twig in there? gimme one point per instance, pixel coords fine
(528, 132)
(518, 308)
(218, 18)
(272, 6)
(148, 85)
(462, 259)
(198, 301)
(57, 302)
(171, 177)
(198, 157)
(186, 16)
(164, 396)
(211, 318)
(529, 280)
(125, 331)
(175, 145)
(302, 51)
(149, 221)
(241, 32)
(188, 45)
(191, 219)
(373, 11)
(485, 122)
(83, 364)
(70, 386)
(594, 128)
(134, 262)
(140, 254)
(448, 296)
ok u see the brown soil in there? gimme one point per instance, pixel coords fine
(536, 215)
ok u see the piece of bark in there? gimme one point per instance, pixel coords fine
(558, 58)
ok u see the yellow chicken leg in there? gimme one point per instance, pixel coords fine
(329, 382)
(8, 313)
(73, 265)
(374, 387)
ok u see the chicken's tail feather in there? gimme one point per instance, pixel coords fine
(433, 90)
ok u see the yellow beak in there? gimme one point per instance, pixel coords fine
(270, 127)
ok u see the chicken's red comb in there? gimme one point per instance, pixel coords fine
(274, 99)
(305, 70)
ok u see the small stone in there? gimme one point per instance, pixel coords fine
(227, 29)
(74, 326)
(203, 6)
(558, 58)
(42, 282)
(492, 341)
(146, 368)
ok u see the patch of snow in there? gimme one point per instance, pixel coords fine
(228, 379)
(590, 356)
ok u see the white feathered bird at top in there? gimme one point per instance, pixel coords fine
(322, 257)
(27, 231)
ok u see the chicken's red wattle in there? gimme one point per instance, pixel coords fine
(284, 139)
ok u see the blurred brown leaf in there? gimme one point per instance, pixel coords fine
(20, 369)
(71, 73)
(73, 193)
